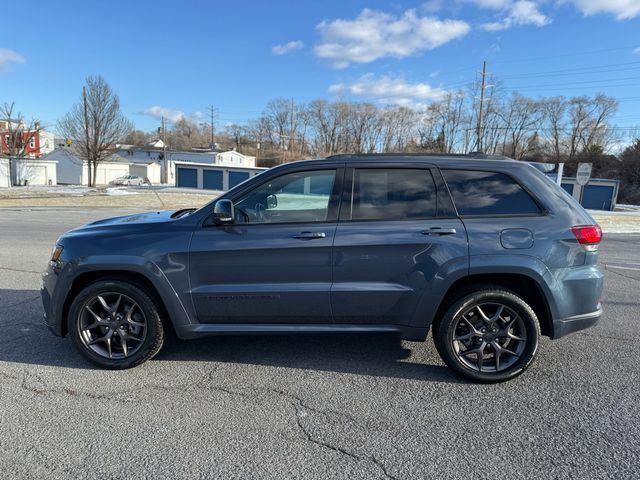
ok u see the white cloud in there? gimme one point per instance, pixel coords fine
(158, 112)
(523, 12)
(287, 47)
(390, 90)
(373, 35)
(491, 4)
(9, 57)
(621, 9)
(432, 6)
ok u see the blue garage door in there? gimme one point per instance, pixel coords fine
(237, 177)
(568, 187)
(187, 177)
(597, 197)
(212, 179)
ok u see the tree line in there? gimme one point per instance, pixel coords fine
(552, 129)
(547, 129)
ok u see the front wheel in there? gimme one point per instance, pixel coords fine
(488, 336)
(115, 324)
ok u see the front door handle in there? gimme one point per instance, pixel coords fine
(309, 235)
(439, 231)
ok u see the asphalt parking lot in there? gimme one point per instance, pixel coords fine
(309, 407)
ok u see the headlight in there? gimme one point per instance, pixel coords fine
(57, 251)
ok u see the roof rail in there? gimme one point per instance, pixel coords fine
(478, 155)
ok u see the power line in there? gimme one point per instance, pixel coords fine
(582, 82)
(576, 71)
(571, 87)
(562, 55)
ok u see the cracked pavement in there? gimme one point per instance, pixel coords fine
(308, 407)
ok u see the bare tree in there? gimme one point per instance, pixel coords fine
(327, 120)
(521, 117)
(137, 138)
(95, 124)
(19, 136)
(587, 119)
(236, 132)
(554, 125)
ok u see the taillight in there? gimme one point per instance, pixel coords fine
(588, 235)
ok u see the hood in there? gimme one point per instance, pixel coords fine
(121, 223)
(147, 217)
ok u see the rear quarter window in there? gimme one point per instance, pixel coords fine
(488, 193)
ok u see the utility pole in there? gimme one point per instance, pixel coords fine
(479, 132)
(212, 113)
(164, 150)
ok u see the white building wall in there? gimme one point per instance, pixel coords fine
(27, 171)
(47, 142)
(150, 171)
(235, 159)
(4, 173)
(105, 173)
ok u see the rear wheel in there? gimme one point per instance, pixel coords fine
(115, 324)
(488, 336)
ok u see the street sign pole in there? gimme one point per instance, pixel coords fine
(583, 175)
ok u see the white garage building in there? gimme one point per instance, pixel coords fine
(149, 170)
(32, 171)
(74, 171)
(27, 171)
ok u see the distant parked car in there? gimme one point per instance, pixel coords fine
(127, 180)
(486, 254)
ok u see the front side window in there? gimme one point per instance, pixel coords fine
(488, 193)
(300, 197)
(393, 194)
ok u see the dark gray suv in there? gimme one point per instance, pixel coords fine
(489, 254)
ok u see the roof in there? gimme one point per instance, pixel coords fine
(440, 160)
(428, 156)
(66, 153)
(217, 166)
(460, 161)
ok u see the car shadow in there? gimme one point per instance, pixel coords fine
(25, 339)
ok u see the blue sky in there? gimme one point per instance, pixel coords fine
(179, 57)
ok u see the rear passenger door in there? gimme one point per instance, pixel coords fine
(500, 216)
(397, 237)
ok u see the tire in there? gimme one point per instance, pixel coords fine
(488, 336)
(112, 333)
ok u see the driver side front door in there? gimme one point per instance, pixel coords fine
(273, 264)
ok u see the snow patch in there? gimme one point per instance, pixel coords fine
(120, 191)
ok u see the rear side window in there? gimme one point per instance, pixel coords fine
(393, 194)
(488, 193)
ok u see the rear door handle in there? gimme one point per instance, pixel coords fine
(439, 231)
(309, 235)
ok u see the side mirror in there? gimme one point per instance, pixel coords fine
(272, 201)
(223, 211)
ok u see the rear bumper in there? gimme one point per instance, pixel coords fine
(565, 326)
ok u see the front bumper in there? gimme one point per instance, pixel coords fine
(49, 300)
(565, 326)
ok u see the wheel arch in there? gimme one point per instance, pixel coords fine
(133, 277)
(525, 286)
